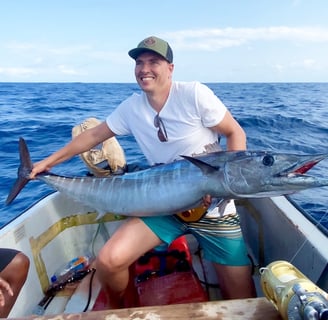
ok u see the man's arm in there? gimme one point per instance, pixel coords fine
(234, 133)
(81, 143)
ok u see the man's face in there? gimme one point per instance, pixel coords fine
(152, 72)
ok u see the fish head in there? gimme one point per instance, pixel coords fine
(264, 173)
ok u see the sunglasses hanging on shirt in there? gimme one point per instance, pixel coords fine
(161, 133)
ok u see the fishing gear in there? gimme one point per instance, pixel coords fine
(292, 293)
(58, 286)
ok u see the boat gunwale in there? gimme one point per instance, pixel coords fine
(307, 215)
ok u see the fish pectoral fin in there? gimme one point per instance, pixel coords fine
(206, 168)
(215, 203)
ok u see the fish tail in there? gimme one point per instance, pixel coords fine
(23, 173)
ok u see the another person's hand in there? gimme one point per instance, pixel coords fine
(4, 286)
(207, 200)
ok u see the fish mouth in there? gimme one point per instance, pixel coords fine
(303, 165)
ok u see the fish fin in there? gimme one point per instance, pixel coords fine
(205, 167)
(23, 172)
(215, 203)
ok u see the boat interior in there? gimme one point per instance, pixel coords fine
(174, 275)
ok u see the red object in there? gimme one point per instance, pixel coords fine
(174, 288)
(154, 259)
(160, 277)
(181, 244)
(166, 277)
(101, 302)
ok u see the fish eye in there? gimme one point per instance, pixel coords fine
(268, 160)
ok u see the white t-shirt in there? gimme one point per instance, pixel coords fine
(189, 111)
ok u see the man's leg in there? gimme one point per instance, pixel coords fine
(236, 282)
(222, 243)
(127, 244)
(15, 273)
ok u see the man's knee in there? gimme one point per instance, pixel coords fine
(23, 261)
(111, 260)
(19, 266)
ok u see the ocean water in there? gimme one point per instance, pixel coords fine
(284, 117)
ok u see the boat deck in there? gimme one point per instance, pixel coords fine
(161, 297)
(255, 309)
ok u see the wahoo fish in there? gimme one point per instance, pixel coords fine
(178, 186)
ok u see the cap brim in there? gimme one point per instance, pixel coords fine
(135, 53)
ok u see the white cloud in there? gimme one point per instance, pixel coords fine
(69, 51)
(214, 39)
(279, 67)
(309, 63)
(44, 48)
(18, 71)
(306, 63)
(18, 46)
(67, 70)
(272, 48)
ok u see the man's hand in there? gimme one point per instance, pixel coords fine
(4, 286)
(38, 168)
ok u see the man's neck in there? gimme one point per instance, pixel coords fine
(157, 99)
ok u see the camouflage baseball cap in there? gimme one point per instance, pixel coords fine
(153, 44)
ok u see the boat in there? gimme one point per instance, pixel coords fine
(57, 230)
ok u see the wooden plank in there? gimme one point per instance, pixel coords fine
(252, 309)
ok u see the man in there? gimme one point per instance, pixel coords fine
(168, 119)
(14, 267)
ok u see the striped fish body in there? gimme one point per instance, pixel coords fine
(161, 190)
(181, 185)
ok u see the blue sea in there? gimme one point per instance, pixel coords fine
(284, 117)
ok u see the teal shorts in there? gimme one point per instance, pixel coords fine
(220, 238)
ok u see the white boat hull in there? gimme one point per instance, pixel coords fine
(55, 230)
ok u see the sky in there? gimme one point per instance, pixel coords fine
(212, 40)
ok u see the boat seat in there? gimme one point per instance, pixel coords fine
(165, 276)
